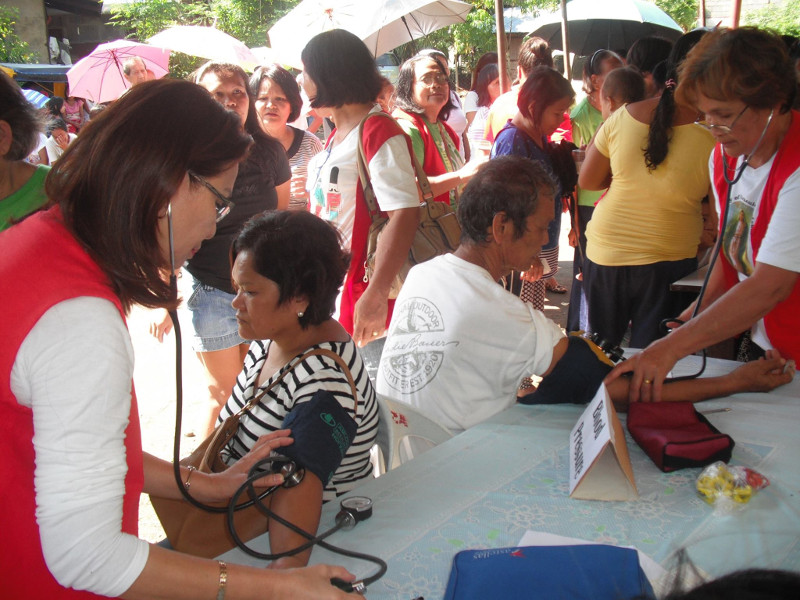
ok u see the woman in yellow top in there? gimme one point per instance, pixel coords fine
(644, 232)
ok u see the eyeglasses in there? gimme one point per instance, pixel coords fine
(223, 203)
(430, 79)
(723, 129)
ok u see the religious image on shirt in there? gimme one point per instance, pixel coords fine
(736, 238)
(417, 345)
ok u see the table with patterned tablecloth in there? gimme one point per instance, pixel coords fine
(489, 485)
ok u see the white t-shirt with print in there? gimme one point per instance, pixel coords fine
(459, 344)
(781, 244)
(333, 178)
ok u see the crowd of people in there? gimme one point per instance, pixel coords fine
(227, 206)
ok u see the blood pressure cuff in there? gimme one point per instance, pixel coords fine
(575, 378)
(675, 436)
(322, 432)
(590, 572)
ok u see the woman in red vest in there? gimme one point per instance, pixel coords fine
(134, 196)
(422, 105)
(743, 81)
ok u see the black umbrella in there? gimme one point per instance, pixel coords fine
(612, 24)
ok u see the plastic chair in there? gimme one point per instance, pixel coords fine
(404, 432)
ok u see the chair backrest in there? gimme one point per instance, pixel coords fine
(404, 432)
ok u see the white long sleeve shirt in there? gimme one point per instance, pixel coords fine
(74, 371)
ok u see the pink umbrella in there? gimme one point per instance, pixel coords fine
(99, 76)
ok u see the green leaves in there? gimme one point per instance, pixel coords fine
(783, 18)
(13, 49)
(246, 20)
(684, 12)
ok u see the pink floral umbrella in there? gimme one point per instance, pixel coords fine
(99, 76)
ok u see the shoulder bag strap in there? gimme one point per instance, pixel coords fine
(363, 170)
(315, 352)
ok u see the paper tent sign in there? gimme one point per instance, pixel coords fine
(599, 464)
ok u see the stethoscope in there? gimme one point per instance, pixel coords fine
(730, 181)
(353, 510)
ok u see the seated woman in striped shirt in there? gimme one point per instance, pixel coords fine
(288, 267)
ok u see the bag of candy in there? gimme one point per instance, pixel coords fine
(728, 487)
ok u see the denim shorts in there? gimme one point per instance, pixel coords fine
(213, 321)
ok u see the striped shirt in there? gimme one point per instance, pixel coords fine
(299, 154)
(311, 375)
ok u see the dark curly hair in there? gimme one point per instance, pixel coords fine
(300, 252)
(748, 64)
(509, 184)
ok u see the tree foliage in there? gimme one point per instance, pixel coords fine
(469, 41)
(683, 12)
(783, 18)
(246, 20)
(13, 49)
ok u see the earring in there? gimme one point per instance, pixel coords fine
(300, 314)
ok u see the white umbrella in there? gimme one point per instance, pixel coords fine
(206, 42)
(265, 55)
(382, 24)
(400, 21)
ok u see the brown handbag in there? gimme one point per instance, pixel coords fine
(202, 533)
(438, 231)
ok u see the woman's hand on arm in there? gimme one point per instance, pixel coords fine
(735, 311)
(763, 375)
(370, 312)
(595, 171)
(159, 478)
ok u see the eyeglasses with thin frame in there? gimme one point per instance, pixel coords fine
(430, 79)
(723, 129)
(223, 204)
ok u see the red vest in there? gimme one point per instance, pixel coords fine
(376, 133)
(783, 321)
(41, 264)
(433, 164)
